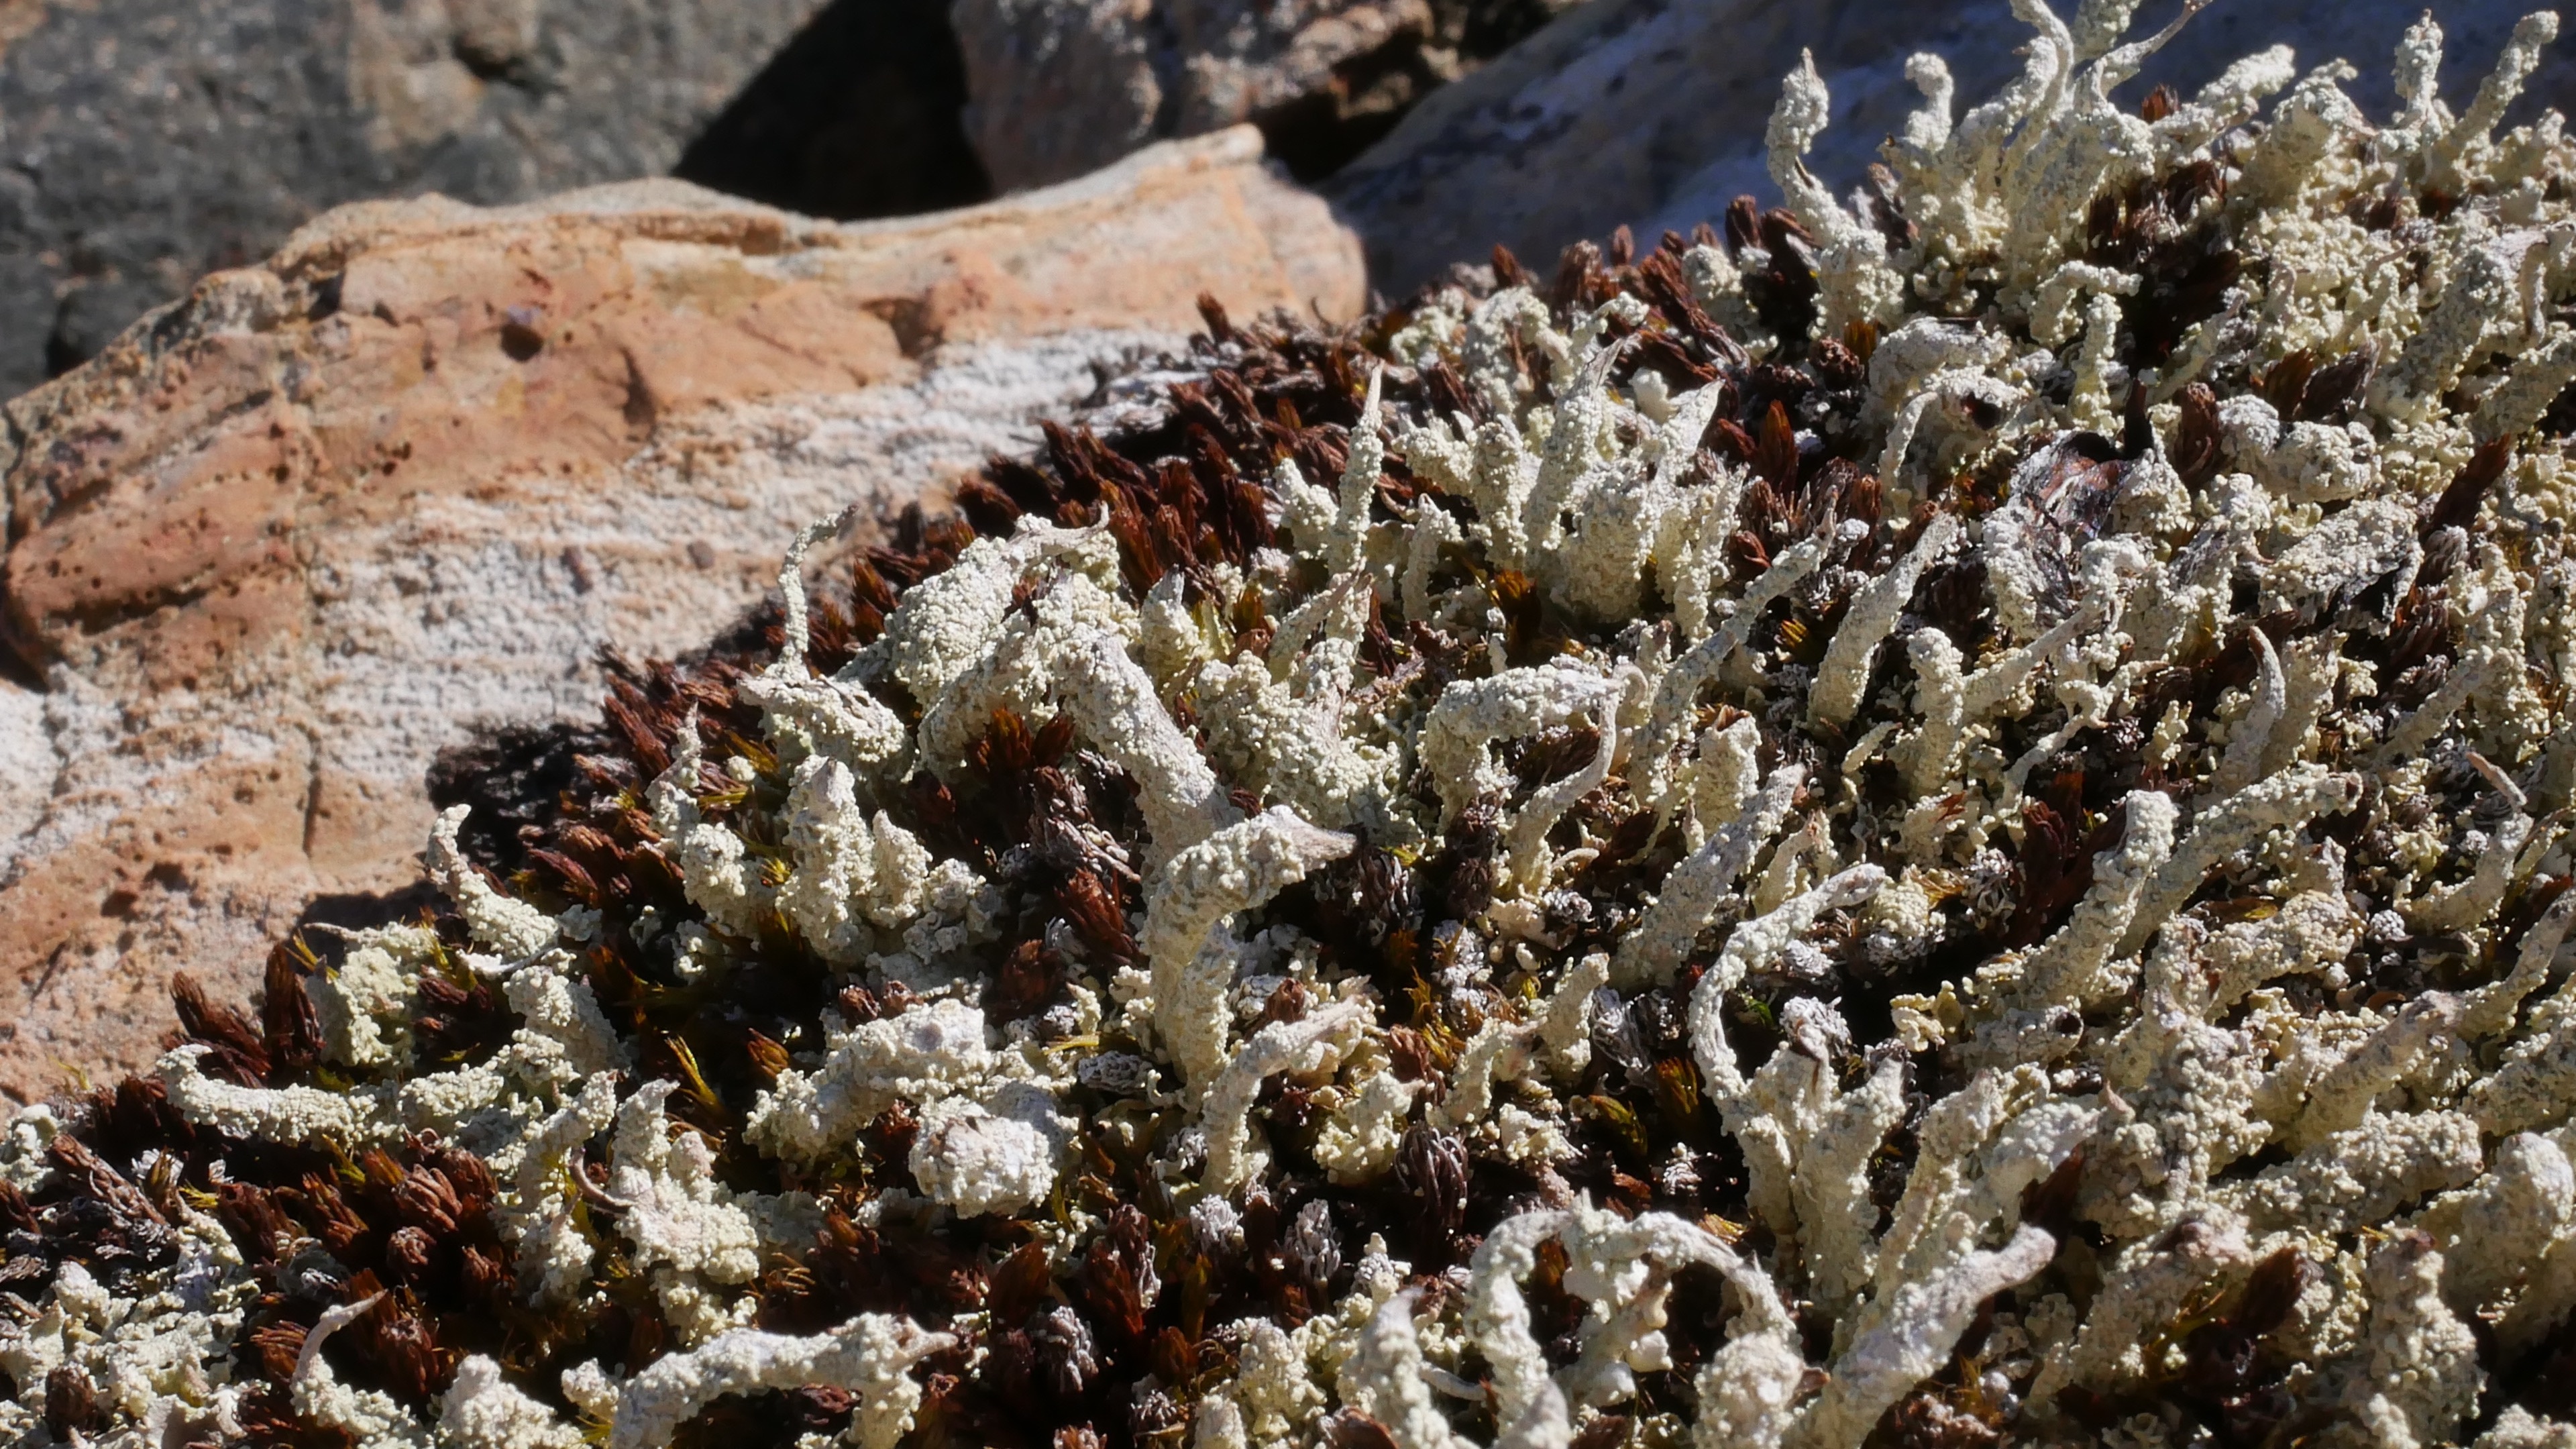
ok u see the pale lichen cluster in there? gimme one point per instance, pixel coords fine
(2196, 1056)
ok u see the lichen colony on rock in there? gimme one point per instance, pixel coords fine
(1937, 820)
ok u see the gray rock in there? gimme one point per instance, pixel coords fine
(1055, 89)
(1058, 87)
(149, 141)
(1650, 113)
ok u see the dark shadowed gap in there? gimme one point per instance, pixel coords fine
(512, 777)
(857, 117)
(368, 910)
(1317, 133)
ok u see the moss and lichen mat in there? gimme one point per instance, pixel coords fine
(1933, 821)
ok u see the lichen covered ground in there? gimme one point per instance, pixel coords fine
(1936, 821)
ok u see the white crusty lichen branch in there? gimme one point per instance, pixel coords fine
(870, 1358)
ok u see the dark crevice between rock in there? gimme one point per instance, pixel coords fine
(1319, 133)
(15, 668)
(857, 117)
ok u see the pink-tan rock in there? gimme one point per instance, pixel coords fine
(331, 514)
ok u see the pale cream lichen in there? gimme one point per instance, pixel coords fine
(869, 1358)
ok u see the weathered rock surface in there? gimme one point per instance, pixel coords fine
(149, 141)
(1650, 113)
(1057, 87)
(286, 540)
